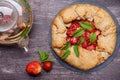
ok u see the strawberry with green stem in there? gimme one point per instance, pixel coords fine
(46, 61)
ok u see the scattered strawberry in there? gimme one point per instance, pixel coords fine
(33, 68)
(47, 66)
(47, 62)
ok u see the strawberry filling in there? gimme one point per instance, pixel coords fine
(86, 35)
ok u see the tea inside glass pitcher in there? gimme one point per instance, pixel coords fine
(15, 20)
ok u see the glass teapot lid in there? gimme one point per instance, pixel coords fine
(8, 16)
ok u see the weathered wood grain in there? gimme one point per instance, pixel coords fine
(13, 61)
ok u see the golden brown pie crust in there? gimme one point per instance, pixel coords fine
(106, 41)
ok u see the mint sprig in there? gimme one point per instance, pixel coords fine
(66, 46)
(78, 32)
(93, 37)
(25, 31)
(66, 54)
(76, 50)
(86, 25)
(81, 41)
(44, 56)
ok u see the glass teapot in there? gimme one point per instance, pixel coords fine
(15, 22)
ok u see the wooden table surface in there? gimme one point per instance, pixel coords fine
(13, 60)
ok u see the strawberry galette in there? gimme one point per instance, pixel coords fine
(83, 35)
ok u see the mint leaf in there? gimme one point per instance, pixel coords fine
(25, 31)
(76, 50)
(81, 41)
(50, 59)
(93, 37)
(26, 4)
(46, 55)
(86, 25)
(66, 46)
(41, 54)
(66, 54)
(78, 32)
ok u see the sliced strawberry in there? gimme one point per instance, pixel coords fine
(92, 22)
(73, 40)
(69, 33)
(68, 39)
(85, 44)
(72, 29)
(78, 39)
(87, 33)
(93, 29)
(91, 47)
(95, 43)
(97, 32)
(84, 35)
(75, 26)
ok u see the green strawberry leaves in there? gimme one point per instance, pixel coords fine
(44, 56)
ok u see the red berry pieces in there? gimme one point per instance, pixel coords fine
(75, 25)
(73, 40)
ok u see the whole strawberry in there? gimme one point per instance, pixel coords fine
(47, 62)
(33, 68)
(47, 65)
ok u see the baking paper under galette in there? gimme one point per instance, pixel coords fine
(83, 35)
